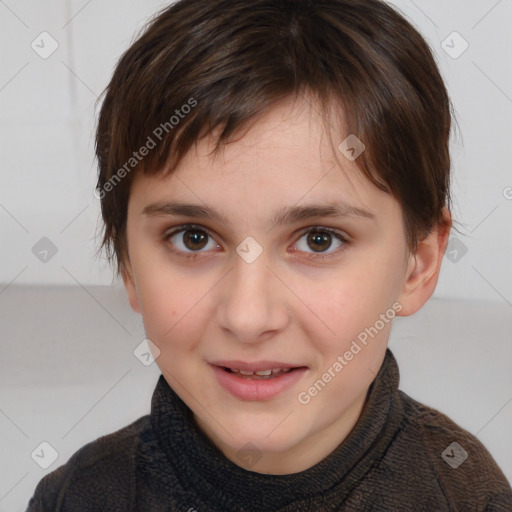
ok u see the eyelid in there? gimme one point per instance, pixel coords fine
(184, 227)
(336, 232)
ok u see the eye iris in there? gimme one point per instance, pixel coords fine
(195, 237)
(318, 237)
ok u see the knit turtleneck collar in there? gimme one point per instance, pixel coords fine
(202, 468)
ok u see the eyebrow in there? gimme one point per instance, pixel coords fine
(287, 215)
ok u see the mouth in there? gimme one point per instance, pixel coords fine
(269, 373)
(257, 381)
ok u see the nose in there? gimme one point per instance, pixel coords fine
(253, 302)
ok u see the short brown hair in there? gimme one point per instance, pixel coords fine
(230, 60)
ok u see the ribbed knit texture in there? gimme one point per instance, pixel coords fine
(390, 461)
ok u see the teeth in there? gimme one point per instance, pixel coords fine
(262, 373)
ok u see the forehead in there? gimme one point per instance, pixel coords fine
(286, 156)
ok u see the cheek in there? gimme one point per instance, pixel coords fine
(161, 297)
(351, 302)
(163, 309)
(171, 304)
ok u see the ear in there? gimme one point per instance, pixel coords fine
(423, 268)
(129, 285)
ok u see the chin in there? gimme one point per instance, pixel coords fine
(275, 433)
(264, 442)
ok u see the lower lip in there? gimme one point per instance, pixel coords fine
(256, 389)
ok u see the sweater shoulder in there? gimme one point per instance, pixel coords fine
(465, 470)
(105, 466)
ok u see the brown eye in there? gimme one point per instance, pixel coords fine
(190, 239)
(195, 239)
(319, 240)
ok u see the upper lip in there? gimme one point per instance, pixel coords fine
(256, 366)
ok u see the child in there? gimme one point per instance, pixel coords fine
(234, 136)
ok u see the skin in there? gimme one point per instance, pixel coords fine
(290, 304)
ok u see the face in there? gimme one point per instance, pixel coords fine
(270, 282)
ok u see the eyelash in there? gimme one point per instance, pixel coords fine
(195, 255)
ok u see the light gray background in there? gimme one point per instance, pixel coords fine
(67, 369)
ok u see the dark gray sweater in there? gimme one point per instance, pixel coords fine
(397, 458)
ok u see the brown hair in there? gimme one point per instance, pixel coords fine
(203, 64)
